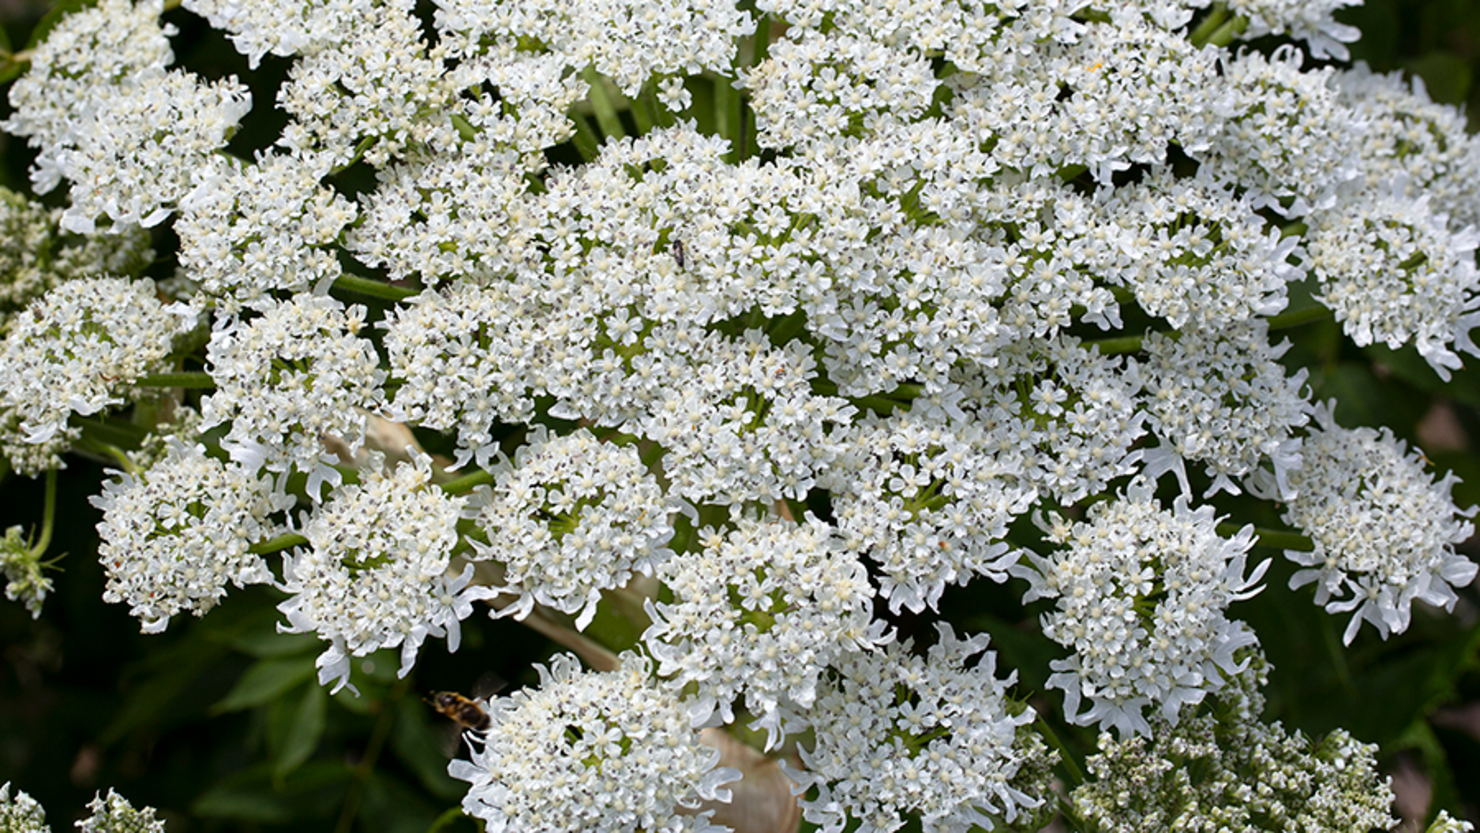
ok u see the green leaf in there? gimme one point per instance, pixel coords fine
(424, 747)
(300, 732)
(390, 806)
(50, 20)
(265, 680)
(253, 795)
(1408, 365)
(263, 640)
(1446, 75)
(1363, 399)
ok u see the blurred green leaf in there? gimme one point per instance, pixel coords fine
(265, 680)
(425, 746)
(253, 795)
(1446, 75)
(390, 806)
(1408, 365)
(1363, 399)
(1025, 649)
(295, 735)
(263, 640)
(1420, 736)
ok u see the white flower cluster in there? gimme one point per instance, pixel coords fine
(83, 60)
(288, 377)
(1289, 142)
(931, 505)
(1383, 530)
(1307, 20)
(1412, 139)
(79, 350)
(1140, 597)
(1193, 253)
(173, 536)
(760, 611)
(592, 751)
(896, 733)
(573, 517)
(375, 572)
(1059, 411)
(251, 230)
(36, 254)
(1392, 271)
(630, 43)
(1221, 398)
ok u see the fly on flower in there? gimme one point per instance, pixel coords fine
(465, 711)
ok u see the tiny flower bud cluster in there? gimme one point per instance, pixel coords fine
(21, 814)
(1229, 772)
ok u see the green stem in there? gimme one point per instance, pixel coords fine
(278, 544)
(1209, 25)
(467, 482)
(586, 143)
(1295, 318)
(643, 108)
(196, 379)
(603, 106)
(762, 43)
(372, 288)
(366, 767)
(1117, 346)
(1228, 31)
(1076, 773)
(1278, 538)
(49, 513)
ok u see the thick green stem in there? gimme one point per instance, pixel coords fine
(1204, 31)
(186, 379)
(278, 544)
(1229, 30)
(1117, 346)
(373, 288)
(467, 482)
(602, 105)
(586, 142)
(1076, 773)
(762, 44)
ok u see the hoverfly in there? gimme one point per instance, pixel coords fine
(463, 711)
(467, 712)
